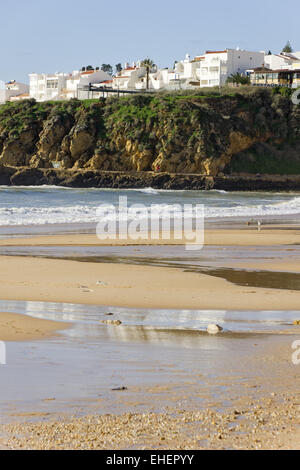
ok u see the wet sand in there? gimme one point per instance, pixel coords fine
(269, 235)
(16, 327)
(52, 280)
(256, 411)
(269, 420)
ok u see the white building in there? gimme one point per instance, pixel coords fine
(278, 70)
(207, 70)
(16, 89)
(78, 81)
(133, 78)
(2, 92)
(44, 87)
(279, 61)
(165, 79)
(186, 73)
(23, 96)
(214, 67)
(13, 89)
(63, 86)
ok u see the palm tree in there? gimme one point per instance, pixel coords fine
(148, 64)
(238, 79)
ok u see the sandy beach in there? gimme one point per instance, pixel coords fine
(269, 235)
(16, 327)
(270, 421)
(52, 280)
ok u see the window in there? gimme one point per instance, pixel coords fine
(52, 83)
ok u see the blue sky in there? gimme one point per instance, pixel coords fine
(63, 35)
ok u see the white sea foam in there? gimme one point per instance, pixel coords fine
(149, 191)
(289, 207)
(85, 213)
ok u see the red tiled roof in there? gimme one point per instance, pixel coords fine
(18, 97)
(215, 52)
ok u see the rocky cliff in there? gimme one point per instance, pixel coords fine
(123, 180)
(208, 133)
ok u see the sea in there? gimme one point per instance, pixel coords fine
(61, 208)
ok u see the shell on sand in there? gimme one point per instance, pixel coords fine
(214, 329)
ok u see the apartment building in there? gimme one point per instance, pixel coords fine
(212, 68)
(63, 86)
(131, 78)
(215, 67)
(44, 87)
(13, 89)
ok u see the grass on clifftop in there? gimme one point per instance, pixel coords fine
(183, 123)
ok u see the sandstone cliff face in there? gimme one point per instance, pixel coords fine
(175, 133)
(17, 152)
(50, 139)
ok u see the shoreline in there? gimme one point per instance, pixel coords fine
(17, 327)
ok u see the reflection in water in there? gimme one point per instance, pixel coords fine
(182, 338)
(163, 347)
(170, 325)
